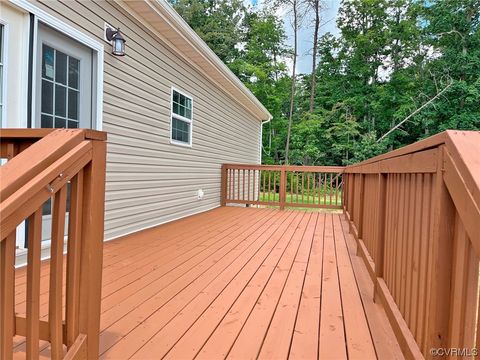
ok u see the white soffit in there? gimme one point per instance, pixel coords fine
(177, 34)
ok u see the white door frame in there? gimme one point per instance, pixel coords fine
(68, 30)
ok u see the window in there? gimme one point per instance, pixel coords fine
(60, 89)
(181, 125)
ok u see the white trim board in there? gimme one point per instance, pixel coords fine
(4, 61)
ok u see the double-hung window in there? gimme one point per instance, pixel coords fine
(181, 122)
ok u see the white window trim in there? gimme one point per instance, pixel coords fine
(4, 62)
(190, 121)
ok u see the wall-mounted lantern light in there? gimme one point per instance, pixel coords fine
(118, 42)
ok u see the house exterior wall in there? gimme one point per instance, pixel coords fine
(149, 180)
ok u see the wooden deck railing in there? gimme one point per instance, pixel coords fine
(282, 186)
(43, 165)
(415, 213)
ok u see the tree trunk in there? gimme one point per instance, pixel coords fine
(292, 93)
(313, 84)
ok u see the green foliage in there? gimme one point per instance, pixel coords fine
(391, 57)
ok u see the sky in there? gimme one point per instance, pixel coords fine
(329, 24)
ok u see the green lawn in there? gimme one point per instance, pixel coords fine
(307, 199)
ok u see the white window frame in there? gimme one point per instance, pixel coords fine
(182, 118)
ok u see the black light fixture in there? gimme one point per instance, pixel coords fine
(118, 42)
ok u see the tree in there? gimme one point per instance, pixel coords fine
(218, 22)
(316, 6)
(390, 57)
(295, 6)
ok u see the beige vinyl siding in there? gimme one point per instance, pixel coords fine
(149, 180)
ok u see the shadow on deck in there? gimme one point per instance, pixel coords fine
(236, 282)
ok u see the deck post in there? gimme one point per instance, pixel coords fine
(7, 294)
(442, 232)
(92, 248)
(283, 188)
(223, 186)
(380, 230)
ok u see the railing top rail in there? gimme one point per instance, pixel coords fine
(21, 168)
(25, 134)
(428, 143)
(306, 168)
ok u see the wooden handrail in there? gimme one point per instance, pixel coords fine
(53, 164)
(415, 213)
(282, 186)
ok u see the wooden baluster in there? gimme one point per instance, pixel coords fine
(319, 187)
(313, 188)
(56, 273)
(248, 187)
(12, 150)
(73, 258)
(257, 185)
(223, 185)
(227, 190)
(330, 190)
(243, 184)
(269, 178)
(254, 185)
(232, 184)
(259, 179)
(237, 180)
(283, 188)
(33, 284)
(291, 186)
(274, 187)
(303, 188)
(336, 189)
(325, 190)
(296, 191)
(7, 293)
(264, 185)
(308, 188)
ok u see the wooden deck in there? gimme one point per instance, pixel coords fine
(238, 283)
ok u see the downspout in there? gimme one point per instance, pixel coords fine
(261, 137)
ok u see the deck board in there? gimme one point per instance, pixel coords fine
(237, 283)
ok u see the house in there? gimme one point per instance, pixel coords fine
(173, 111)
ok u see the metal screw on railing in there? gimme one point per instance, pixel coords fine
(50, 188)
